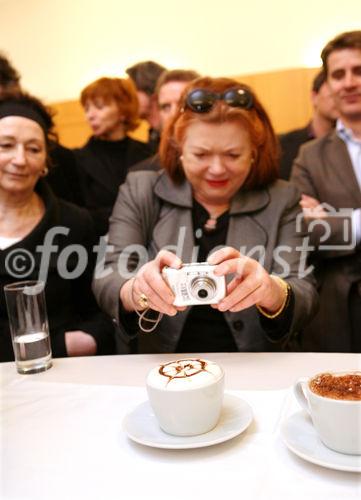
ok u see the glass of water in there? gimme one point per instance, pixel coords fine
(29, 328)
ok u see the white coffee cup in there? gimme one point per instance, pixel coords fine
(337, 421)
(186, 395)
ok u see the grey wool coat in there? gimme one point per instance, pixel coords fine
(152, 213)
(323, 170)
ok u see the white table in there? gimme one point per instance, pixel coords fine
(62, 438)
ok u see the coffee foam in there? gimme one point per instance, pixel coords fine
(343, 386)
(184, 374)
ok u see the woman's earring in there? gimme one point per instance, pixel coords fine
(44, 172)
(181, 158)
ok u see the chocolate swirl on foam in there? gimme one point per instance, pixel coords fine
(183, 368)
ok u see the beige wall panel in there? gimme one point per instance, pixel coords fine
(70, 123)
(285, 95)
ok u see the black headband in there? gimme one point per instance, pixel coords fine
(18, 109)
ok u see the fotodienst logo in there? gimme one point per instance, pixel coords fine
(332, 230)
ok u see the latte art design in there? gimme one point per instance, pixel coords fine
(184, 374)
(183, 368)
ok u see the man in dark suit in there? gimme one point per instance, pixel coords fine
(322, 121)
(168, 91)
(145, 75)
(328, 171)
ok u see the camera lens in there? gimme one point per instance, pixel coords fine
(203, 288)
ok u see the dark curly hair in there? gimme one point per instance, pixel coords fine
(9, 77)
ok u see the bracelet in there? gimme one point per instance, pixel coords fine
(287, 291)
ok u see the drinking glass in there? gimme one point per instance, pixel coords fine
(29, 328)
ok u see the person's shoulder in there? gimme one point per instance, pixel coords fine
(281, 189)
(83, 153)
(316, 146)
(73, 215)
(140, 146)
(141, 179)
(152, 164)
(75, 219)
(296, 135)
(59, 151)
(62, 160)
(84, 147)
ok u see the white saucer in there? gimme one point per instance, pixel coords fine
(141, 426)
(300, 437)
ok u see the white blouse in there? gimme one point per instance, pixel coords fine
(7, 242)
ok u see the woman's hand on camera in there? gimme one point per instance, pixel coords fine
(148, 286)
(250, 285)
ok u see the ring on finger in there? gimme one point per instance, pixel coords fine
(143, 301)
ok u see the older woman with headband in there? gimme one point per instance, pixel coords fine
(218, 200)
(40, 236)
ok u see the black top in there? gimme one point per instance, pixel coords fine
(152, 163)
(290, 144)
(102, 166)
(70, 302)
(63, 176)
(154, 139)
(206, 329)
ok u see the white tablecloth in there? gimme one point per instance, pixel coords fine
(64, 440)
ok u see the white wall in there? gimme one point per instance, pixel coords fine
(59, 46)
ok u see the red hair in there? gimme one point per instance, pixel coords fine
(255, 120)
(120, 90)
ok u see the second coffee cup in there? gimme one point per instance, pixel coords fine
(333, 401)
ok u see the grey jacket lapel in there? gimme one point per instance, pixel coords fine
(339, 159)
(244, 232)
(175, 222)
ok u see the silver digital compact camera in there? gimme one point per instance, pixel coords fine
(195, 284)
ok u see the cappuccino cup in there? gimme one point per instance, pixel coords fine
(333, 401)
(186, 395)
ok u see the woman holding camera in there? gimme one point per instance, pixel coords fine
(218, 201)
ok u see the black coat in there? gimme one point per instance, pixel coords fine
(70, 302)
(63, 175)
(290, 144)
(102, 167)
(152, 163)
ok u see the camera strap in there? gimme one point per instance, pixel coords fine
(142, 318)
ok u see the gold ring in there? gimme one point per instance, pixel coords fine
(143, 301)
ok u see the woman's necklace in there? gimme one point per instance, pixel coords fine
(210, 224)
(214, 212)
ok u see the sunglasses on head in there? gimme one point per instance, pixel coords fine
(202, 100)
